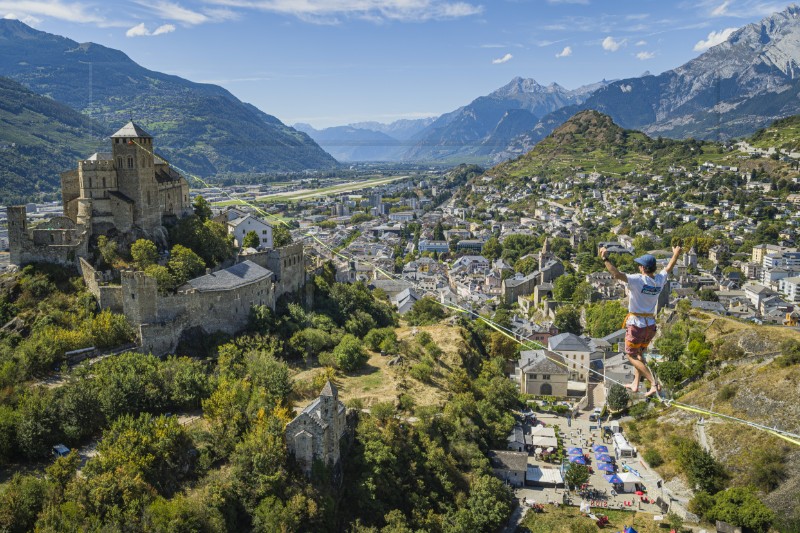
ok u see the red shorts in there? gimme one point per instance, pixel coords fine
(637, 339)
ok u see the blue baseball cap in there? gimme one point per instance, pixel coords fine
(648, 261)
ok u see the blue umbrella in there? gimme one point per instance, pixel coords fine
(606, 467)
(613, 478)
(577, 459)
(599, 448)
(575, 451)
(629, 529)
(603, 457)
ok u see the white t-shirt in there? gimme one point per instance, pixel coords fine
(643, 294)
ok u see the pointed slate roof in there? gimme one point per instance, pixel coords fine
(131, 129)
(329, 390)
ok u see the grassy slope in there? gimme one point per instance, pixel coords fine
(764, 393)
(379, 382)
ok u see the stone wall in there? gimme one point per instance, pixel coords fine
(59, 244)
(108, 296)
(161, 320)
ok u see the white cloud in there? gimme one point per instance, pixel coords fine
(137, 31)
(566, 52)
(583, 2)
(140, 30)
(505, 59)
(612, 45)
(626, 88)
(58, 9)
(326, 11)
(645, 55)
(714, 38)
(164, 28)
(721, 9)
(27, 19)
(641, 43)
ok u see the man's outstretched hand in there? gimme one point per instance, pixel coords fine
(676, 250)
(603, 253)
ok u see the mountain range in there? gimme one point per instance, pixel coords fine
(731, 90)
(201, 128)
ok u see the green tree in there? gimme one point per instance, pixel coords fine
(348, 354)
(144, 253)
(490, 503)
(109, 250)
(184, 264)
(604, 318)
(583, 294)
(564, 287)
(251, 240)
(425, 311)
(202, 209)
(740, 506)
(165, 281)
(21, 500)
(38, 423)
(492, 249)
(259, 461)
(618, 397)
(707, 295)
(281, 236)
(568, 320)
(526, 265)
(576, 475)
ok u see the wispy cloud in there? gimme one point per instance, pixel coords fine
(176, 12)
(566, 52)
(611, 44)
(542, 44)
(721, 9)
(641, 43)
(57, 9)
(645, 55)
(325, 11)
(500, 60)
(714, 38)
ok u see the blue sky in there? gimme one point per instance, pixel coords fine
(331, 62)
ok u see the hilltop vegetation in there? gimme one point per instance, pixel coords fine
(591, 142)
(230, 469)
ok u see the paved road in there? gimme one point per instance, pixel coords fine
(700, 427)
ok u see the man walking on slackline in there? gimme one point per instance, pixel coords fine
(640, 324)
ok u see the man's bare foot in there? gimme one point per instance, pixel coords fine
(633, 387)
(653, 390)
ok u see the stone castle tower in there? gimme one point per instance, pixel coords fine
(315, 433)
(126, 188)
(545, 255)
(117, 192)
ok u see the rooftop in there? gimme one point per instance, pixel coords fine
(568, 342)
(240, 274)
(131, 129)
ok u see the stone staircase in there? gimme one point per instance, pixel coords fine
(597, 396)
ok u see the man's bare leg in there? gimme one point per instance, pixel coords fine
(642, 370)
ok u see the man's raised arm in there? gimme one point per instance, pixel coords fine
(610, 266)
(676, 251)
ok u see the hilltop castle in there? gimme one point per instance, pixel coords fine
(126, 194)
(121, 192)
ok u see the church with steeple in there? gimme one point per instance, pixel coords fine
(127, 192)
(315, 434)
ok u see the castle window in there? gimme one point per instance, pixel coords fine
(130, 162)
(104, 183)
(119, 162)
(90, 183)
(52, 239)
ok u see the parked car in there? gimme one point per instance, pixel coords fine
(59, 450)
